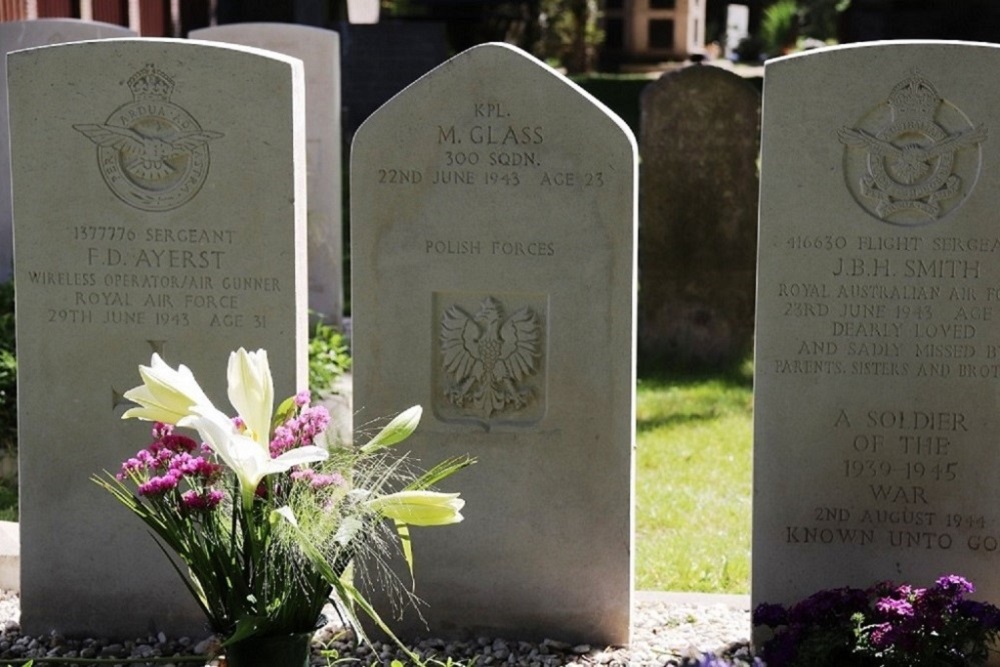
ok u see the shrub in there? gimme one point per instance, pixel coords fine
(329, 358)
(8, 369)
(780, 27)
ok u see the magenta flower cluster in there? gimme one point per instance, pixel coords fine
(886, 625)
(175, 468)
(302, 428)
(169, 461)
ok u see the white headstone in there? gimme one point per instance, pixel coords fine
(493, 236)
(737, 27)
(14, 36)
(319, 51)
(158, 191)
(878, 297)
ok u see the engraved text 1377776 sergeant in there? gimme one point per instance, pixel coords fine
(913, 159)
(152, 153)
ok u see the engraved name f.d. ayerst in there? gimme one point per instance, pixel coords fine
(152, 154)
(909, 154)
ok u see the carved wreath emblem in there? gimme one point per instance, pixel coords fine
(152, 153)
(488, 357)
(919, 155)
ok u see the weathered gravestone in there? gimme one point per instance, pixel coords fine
(878, 352)
(698, 223)
(493, 236)
(319, 51)
(381, 59)
(158, 206)
(14, 36)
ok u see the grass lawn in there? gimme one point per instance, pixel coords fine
(693, 484)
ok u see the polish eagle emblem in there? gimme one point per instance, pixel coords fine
(488, 357)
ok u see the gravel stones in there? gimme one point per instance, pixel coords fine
(664, 633)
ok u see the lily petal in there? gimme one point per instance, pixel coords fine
(166, 395)
(420, 508)
(243, 455)
(251, 392)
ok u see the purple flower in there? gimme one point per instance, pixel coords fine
(771, 615)
(206, 500)
(895, 607)
(157, 486)
(955, 586)
(982, 613)
(303, 398)
(882, 635)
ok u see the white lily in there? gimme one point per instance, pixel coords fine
(244, 455)
(166, 395)
(251, 392)
(419, 508)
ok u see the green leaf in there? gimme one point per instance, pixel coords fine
(439, 472)
(284, 412)
(399, 429)
(246, 626)
(405, 545)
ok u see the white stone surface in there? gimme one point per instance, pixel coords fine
(875, 453)
(319, 51)
(158, 193)
(14, 36)
(10, 556)
(493, 253)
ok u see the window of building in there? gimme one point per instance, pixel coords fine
(661, 34)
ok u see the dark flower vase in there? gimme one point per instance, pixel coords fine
(271, 651)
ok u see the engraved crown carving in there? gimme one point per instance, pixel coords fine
(150, 83)
(914, 97)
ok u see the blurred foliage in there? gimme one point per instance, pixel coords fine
(329, 358)
(568, 34)
(8, 369)
(779, 28)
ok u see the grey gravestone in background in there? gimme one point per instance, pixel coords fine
(878, 351)
(493, 236)
(319, 51)
(158, 206)
(14, 36)
(381, 59)
(698, 223)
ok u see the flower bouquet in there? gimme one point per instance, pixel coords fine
(265, 516)
(886, 625)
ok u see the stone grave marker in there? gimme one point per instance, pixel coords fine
(158, 199)
(319, 51)
(737, 27)
(878, 351)
(493, 283)
(14, 36)
(699, 140)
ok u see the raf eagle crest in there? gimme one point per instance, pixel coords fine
(913, 159)
(152, 153)
(488, 357)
